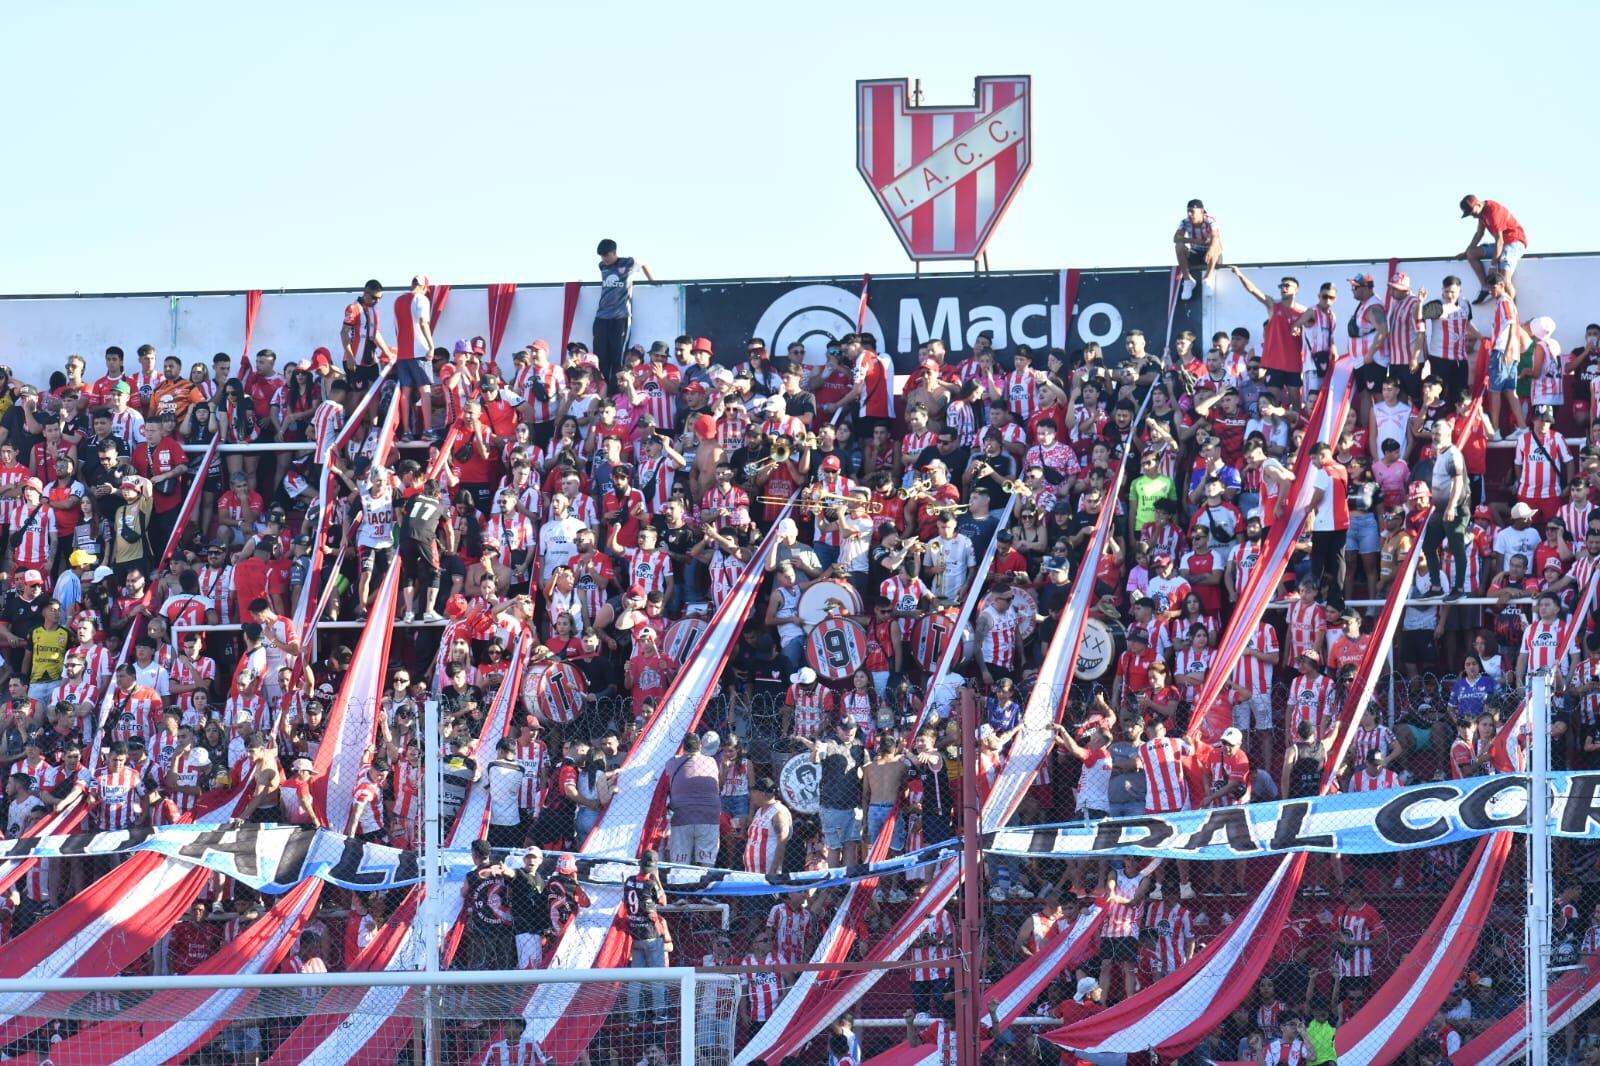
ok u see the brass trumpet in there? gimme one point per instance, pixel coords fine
(947, 508)
(805, 439)
(1016, 487)
(872, 506)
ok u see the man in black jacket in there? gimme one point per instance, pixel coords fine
(530, 906)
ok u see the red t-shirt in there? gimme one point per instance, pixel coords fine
(1498, 220)
(152, 460)
(250, 577)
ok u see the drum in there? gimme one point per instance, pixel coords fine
(836, 648)
(681, 638)
(932, 635)
(1025, 604)
(1098, 650)
(553, 691)
(827, 598)
(800, 783)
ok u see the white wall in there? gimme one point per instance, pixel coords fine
(37, 335)
(1567, 288)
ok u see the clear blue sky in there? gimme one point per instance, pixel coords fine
(182, 145)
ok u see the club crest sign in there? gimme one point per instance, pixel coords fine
(943, 176)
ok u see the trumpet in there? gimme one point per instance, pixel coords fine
(1016, 487)
(919, 488)
(805, 439)
(947, 508)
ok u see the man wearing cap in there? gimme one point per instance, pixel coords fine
(1198, 243)
(1368, 334)
(126, 422)
(1519, 538)
(1542, 467)
(614, 313)
(1503, 253)
(642, 898)
(843, 759)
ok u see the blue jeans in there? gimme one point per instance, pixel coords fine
(1502, 374)
(650, 952)
(585, 817)
(1509, 257)
(794, 652)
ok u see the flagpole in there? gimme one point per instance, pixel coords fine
(1538, 913)
(432, 781)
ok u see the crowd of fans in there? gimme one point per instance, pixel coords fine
(602, 503)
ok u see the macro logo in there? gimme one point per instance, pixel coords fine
(943, 176)
(812, 315)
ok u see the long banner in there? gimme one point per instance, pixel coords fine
(276, 858)
(1357, 823)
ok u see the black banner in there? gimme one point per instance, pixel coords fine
(905, 311)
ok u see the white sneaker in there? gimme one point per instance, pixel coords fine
(1155, 892)
(1227, 917)
(433, 616)
(1020, 892)
(1400, 882)
(1186, 290)
(877, 895)
(997, 894)
(897, 896)
(1186, 891)
(409, 616)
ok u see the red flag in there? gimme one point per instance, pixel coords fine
(252, 308)
(1071, 278)
(861, 312)
(569, 311)
(500, 299)
(437, 295)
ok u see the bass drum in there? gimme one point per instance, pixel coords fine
(827, 598)
(836, 648)
(681, 638)
(553, 691)
(1098, 650)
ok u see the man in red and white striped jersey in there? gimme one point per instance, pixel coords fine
(1124, 897)
(117, 793)
(1543, 465)
(1357, 930)
(1161, 759)
(791, 927)
(1198, 242)
(361, 336)
(762, 988)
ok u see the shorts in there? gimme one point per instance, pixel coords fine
(1453, 372)
(877, 815)
(241, 1040)
(1510, 256)
(414, 373)
(695, 844)
(839, 826)
(1363, 534)
(505, 836)
(1285, 378)
(1351, 984)
(1416, 646)
(371, 555)
(736, 806)
(530, 950)
(1253, 713)
(1119, 948)
(1502, 375)
(1371, 376)
(360, 375)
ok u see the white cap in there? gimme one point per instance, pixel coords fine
(100, 574)
(1231, 735)
(804, 676)
(1522, 510)
(788, 528)
(710, 742)
(1086, 985)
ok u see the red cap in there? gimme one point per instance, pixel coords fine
(701, 344)
(1401, 283)
(455, 606)
(636, 592)
(831, 463)
(479, 344)
(539, 346)
(32, 577)
(321, 358)
(705, 427)
(34, 483)
(1419, 488)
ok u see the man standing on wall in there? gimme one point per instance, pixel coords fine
(362, 339)
(615, 312)
(413, 338)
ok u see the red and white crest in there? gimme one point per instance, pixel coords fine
(944, 175)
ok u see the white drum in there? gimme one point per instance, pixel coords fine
(828, 598)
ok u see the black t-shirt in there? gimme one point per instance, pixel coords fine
(840, 788)
(16, 427)
(420, 516)
(956, 461)
(24, 616)
(530, 904)
(799, 404)
(641, 896)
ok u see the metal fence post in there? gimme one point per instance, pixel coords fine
(1538, 913)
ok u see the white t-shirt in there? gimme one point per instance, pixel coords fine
(958, 563)
(556, 546)
(1322, 517)
(504, 782)
(1513, 541)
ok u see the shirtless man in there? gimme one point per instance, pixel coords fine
(266, 778)
(885, 779)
